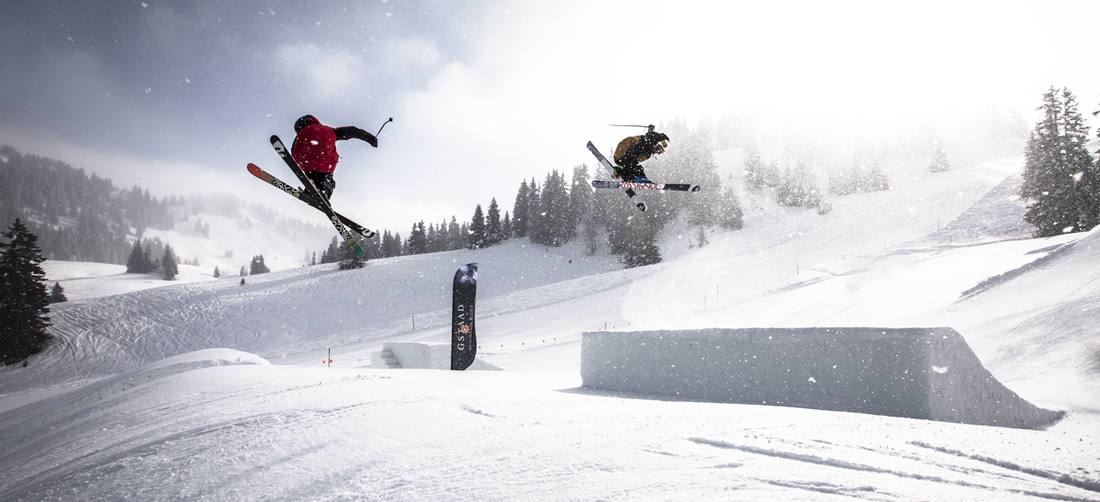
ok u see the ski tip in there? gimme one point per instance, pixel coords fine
(696, 188)
(275, 139)
(254, 169)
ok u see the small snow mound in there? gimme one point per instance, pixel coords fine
(202, 359)
(881, 371)
(42, 413)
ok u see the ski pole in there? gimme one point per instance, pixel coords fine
(383, 125)
(650, 127)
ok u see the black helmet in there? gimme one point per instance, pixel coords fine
(303, 121)
(657, 141)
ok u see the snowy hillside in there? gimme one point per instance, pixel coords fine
(215, 390)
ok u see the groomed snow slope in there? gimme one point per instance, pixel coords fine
(298, 430)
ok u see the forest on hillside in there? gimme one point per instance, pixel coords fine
(81, 217)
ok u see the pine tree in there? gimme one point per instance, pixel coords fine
(437, 237)
(330, 254)
(136, 263)
(349, 260)
(493, 233)
(217, 273)
(1060, 182)
(730, 214)
(476, 238)
(798, 188)
(373, 247)
(701, 168)
(755, 171)
(580, 199)
(519, 211)
(418, 240)
(939, 162)
(148, 255)
(169, 269)
(24, 303)
(456, 236)
(506, 226)
(550, 228)
(533, 219)
(391, 244)
(632, 235)
(257, 266)
(57, 293)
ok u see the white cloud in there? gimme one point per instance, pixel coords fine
(323, 75)
(407, 55)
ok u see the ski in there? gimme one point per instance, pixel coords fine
(305, 197)
(311, 189)
(606, 163)
(680, 187)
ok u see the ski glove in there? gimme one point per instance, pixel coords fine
(349, 132)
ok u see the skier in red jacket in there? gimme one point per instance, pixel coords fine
(315, 149)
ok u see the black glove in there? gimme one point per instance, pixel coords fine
(349, 132)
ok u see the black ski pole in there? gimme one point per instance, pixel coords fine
(383, 125)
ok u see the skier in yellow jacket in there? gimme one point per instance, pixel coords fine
(634, 150)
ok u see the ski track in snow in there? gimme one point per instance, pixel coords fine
(285, 313)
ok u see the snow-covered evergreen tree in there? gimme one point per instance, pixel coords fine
(137, 263)
(476, 238)
(1060, 181)
(939, 162)
(519, 211)
(57, 293)
(257, 266)
(168, 263)
(580, 199)
(418, 239)
(553, 222)
(494, 234)
(24, 303)
(348, 259)
(730, 214)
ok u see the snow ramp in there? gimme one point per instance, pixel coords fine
(924, 373)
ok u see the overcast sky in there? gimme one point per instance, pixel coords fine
(178, 96)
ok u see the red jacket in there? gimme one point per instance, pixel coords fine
(315, 148)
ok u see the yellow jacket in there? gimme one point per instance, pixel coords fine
(625, 144)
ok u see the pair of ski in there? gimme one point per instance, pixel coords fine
(629, 186)
(312, 196)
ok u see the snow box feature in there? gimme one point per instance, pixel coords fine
(411, 355)
(925, 373)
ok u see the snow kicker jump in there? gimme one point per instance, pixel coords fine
(924, 373)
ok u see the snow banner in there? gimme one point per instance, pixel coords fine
(463, 340)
